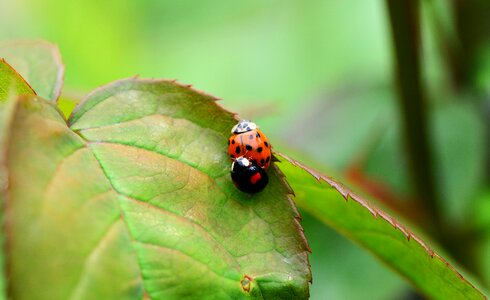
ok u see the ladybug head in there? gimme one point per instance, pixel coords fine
(243, 126)
(240, 163)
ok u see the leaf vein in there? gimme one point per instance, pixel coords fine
(228, 196)
(89, 255)
(188, 256)
(140, 201)
(123, 219)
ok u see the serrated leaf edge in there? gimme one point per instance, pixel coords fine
(136, 78)
(375, 212)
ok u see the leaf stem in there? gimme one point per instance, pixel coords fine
(404, 18)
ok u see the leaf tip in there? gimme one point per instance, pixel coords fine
(3, 61)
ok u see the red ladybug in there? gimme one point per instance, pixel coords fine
(248, 141)
(247, 176)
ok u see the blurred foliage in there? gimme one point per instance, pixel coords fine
(250, 54)
(318, 77)
(336, 267)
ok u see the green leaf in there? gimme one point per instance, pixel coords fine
(135, 200)
(11, 83)
(378, 232)
(40, 64)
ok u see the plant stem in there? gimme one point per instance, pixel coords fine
(404, 18)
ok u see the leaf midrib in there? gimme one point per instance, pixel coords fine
(229, 197)
(166, 154)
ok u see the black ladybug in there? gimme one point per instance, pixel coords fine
(247, 176)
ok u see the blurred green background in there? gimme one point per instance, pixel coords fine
(318, 76)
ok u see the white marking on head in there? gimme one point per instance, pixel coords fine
(242, 161)
(243, 126)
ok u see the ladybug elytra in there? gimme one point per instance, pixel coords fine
(249, 142)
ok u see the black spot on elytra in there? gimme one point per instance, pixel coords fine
(249, 148)
(268, 159)
(259, 149)
(266, 144)
(233, 142)
(262, 161)
(237, 150)
(251, 136)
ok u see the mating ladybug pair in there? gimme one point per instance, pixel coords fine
(251, 155)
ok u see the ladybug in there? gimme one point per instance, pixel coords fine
(248, 141)
(247, 176)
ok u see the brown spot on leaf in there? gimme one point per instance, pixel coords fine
(246, 283)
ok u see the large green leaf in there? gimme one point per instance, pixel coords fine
(378, 232)
(134, 199)
(39, 62)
